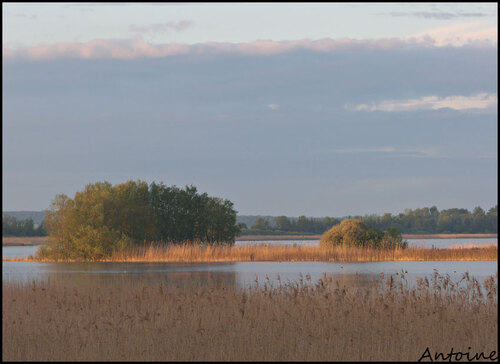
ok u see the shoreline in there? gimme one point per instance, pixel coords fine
(270, 253)
(23, 240)
(449, 236)
(405, 236)
(38, 240)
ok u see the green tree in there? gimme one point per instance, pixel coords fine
(327, 223)
(261, 224)
(282, 223)
(104, 218)
(304, 224)
(13, 227)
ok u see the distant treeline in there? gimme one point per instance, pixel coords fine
(13, 227)
(427, 220)
(283, 224)
(36, 216)
(419, 221)
(432, 221)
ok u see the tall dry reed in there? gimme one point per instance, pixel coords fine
(64, 320)
(266, 252)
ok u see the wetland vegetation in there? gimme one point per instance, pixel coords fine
(62, 319)
(69, 316)
(189, 253)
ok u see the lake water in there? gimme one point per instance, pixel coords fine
(243, 274)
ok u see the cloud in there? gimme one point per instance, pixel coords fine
(389, 151)
(460, 34)
(427, 152)
(363, 150)
(479, 101)
(136, 48)
(162, 27)
(273, 106)
(97, 49)
(438, 15)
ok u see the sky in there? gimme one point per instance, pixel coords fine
(316, 109)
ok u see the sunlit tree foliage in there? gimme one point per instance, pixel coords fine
(104, 218)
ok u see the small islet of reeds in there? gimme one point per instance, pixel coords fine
(190, 253)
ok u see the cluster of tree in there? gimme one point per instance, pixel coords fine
(13, 227)
(432, 221)
(357, 233)
(105, 218)
(300, 225)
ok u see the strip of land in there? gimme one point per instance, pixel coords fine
(277, 237)
(405, 236)
(24, 240)
(279, 253)
(449, 236)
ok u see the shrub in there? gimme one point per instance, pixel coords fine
(356, 233)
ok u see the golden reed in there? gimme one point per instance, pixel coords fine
(265, 252)
(150, 320)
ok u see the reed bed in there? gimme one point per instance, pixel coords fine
(61, 320)
(265, 252)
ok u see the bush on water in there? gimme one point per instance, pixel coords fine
(356, 233)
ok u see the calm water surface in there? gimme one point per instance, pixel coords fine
(239, 274)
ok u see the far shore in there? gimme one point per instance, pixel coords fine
(405, 236)
(38, 240)
(23, 240)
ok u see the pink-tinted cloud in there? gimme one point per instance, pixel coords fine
(462, 33)
(137, 48)
(98, 49)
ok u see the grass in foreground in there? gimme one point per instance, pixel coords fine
(66, 320)
(264, 252)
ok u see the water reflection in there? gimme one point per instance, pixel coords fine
(18, 251)
(201, 274)
(356, 274)
(242, 274)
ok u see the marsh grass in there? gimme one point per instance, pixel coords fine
(64, 320)
(295, 253)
